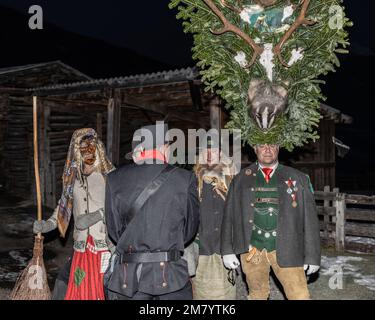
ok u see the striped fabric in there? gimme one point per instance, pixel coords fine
(86, 274)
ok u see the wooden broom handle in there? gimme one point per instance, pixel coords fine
(36, 159)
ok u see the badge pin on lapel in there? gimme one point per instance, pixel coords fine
(291, 183)
(294, 202)
(292, 187)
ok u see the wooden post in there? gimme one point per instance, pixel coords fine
(110, 124)
(4, 107)
(334, 203)
(215, 114)
(113, 127)
(53, 175)
(326, 215)
(340, 222)
(48, 176)
(99, 125)
(117, 130)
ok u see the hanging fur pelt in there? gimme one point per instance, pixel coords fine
(218, 175)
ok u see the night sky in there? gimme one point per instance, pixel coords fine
(150, 28)
(147, 26)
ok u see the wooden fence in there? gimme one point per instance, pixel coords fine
(347, 221)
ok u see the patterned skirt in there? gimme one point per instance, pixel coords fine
(86, 273)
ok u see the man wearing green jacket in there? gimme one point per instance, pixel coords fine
(270, 219)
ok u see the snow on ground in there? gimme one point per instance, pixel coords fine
(360, 240)
(332, 265)
(367, 281)
(22, 260)
(4, 294)
(17, 240)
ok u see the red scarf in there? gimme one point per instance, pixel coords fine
(150, 154)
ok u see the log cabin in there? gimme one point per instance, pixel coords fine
(116, 107)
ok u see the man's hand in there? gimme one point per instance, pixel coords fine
(231, 261)
(43, 226)
(85, 221)
(310, 268)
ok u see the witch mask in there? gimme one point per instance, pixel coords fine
(87, 148)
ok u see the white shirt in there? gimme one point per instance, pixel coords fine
(274, 167)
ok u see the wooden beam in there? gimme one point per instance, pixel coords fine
(50, 201)
(215, 114)
(54, 182)
(340, 222)
(113, 127)
(21, 92)
(70, 108)
(195, 118)
(110, 126)
(74, 102)
(326, 217)
(146, 114)
(196, 96)
(360, 214)
(117, 137)
(360, 230)
(360, 199)
(46, 176)
(317, 164)
(99, 125)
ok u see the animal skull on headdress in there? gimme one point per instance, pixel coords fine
(267, 101)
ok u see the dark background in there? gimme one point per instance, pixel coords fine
(117, 38)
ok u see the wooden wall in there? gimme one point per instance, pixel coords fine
(175, 103)
(60, 116)
(4, 107)
(58, 122)
(318, 159)
(17, 147)
(131, 120)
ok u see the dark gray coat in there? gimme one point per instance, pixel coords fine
(298, 235)
(211, 217)
(167, 221)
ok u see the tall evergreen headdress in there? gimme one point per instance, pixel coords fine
(264, 57)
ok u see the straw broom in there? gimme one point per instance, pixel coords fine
(32, 282)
